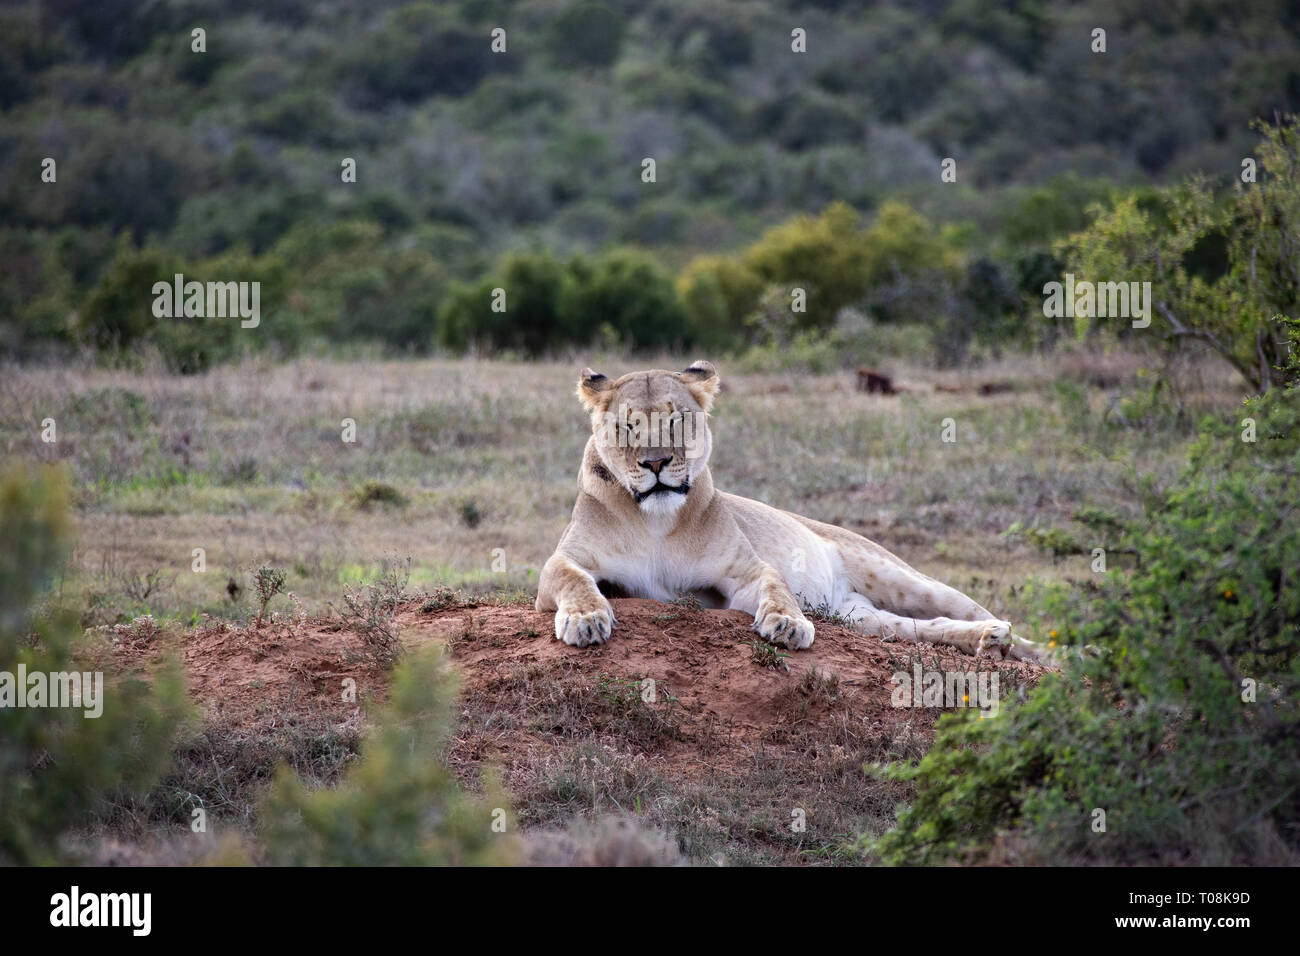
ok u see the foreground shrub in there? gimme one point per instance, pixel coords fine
(1183, 739)
(400, 805)
(57, 765)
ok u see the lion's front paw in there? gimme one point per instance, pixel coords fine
(995, 639)
(580, 628)
(788, 630)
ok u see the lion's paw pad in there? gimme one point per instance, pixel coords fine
(582, 628)
(786, 630)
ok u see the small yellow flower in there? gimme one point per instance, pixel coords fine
(1228, 594)
(1051, 643)
(1051, 634)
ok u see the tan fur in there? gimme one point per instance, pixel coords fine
(767, 562)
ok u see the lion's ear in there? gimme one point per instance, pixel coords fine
(702, 380)
(593, 388)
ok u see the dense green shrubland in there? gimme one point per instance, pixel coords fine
(226, 164)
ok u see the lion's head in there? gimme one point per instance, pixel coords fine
(651, 430)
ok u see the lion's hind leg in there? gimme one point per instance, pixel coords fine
(888, 583)
(972, 637)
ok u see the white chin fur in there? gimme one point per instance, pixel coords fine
(663, 504)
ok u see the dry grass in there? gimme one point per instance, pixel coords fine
(467, 465)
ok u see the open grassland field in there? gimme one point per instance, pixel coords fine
(468, 468)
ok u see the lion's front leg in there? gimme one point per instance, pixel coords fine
(761, 591)
(582, 614)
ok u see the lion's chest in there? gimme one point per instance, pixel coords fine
(658, 572)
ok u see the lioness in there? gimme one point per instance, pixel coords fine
(648, 523)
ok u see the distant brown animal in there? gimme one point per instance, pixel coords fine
(874, 383)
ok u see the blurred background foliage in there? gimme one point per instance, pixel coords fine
(521, 170)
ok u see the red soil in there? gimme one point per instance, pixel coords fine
(720, 702)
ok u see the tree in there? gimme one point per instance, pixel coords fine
(1223, 270)
(631, 292)
(824, 255)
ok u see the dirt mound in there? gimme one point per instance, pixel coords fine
(280, 677)
(719, 693)
(684, 720)
(716, 693)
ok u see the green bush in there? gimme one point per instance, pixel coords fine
(823, 255)
(57, 765)
(720, 295)
(134, 175)
(418, 53)
(531, 322)
(1222, 268)
(807, 120)
(686, 93)
(711, 36)
(632, 293)
(119, 312)
(548, 304)
(1019, 32)
(37, 288)
(987, 312)
(900, 267)
(392, 300)
(585, 35)
(118, 317)
(911, 268)
(1032, 217)
(1185, 730)
(400, 805)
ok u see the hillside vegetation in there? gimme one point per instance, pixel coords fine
(523, 169)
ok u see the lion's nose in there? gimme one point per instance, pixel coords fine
(654, 464)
